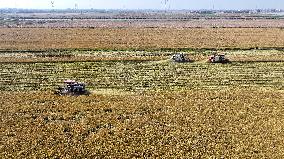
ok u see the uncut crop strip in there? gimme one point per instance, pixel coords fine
(142, 75)
(139, 38)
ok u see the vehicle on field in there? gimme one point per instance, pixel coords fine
(179, 57)
(218, 58)
(73, 88)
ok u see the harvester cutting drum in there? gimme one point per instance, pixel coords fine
(73, 88)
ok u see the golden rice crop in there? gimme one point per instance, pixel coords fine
(238, 123)
(139, 38)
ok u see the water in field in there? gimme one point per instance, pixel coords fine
(133, 76)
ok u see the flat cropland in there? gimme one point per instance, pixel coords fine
(143, 105)
(136, 19)
(227, 123)
(139, 38)
(141, 70)
(143, 23)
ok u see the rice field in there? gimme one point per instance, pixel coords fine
(142, 75)
(144, 109)
(227, 123)
(143, 105)
(139, 38)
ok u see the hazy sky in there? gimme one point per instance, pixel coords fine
(144, 4)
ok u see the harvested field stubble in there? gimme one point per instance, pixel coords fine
(83, 56)
(132, 75)
(150, 23)
(139, 38)
(238, 123)
(49, 56)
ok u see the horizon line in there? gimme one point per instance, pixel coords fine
(277, 9)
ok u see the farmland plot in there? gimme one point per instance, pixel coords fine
(135, 75)
(139, 38)
(240, 123)
(142, 105)
(150, 23)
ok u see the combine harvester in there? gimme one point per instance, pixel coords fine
(215, 58)
(72, 88)
(218, 58)
(180, 58)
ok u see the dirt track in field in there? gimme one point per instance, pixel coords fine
(139, 38)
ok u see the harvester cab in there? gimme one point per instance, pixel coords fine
(71, 87)
(218, 58)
